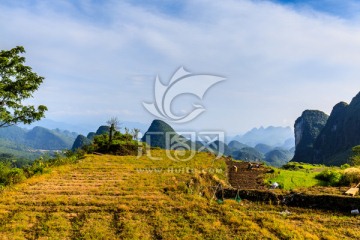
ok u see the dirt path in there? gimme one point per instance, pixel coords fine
(243, 178)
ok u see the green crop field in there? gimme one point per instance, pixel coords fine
(300, 176)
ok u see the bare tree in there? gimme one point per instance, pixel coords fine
(135, 133)
(114, 125)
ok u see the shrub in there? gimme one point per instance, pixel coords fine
(121, 144)
(345, 166)
(9, 176)
(351, 176)
(15, 175)
(355, 157)
(331, 178)
(36, 168)
(12, 175)
(292, 166)
(4, 170)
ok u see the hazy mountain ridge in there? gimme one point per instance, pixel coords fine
(82, 141)
(156, 137)
(278, 157)
(80, 128)
(45, 139)
(272, 136)
(38, 138)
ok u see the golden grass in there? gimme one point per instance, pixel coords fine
(109, 197)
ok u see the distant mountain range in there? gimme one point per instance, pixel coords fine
(276, 156)
(80, 128)
(21, 142)
(272, 136)
(258, 143)
(328, 139)
(39, 137)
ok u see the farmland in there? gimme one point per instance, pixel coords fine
(112, 197)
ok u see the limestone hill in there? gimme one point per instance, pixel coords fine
(328, 140)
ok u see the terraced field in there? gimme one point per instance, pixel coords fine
(244, 178)
(108, 197)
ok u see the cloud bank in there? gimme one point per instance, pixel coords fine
(101, 60)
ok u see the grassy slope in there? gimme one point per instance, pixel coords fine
(107, 198)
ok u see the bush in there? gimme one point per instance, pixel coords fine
(351, 176)
(37, 167)
(331, 178)
(122, 144)
(12, 175)
(345, 166)
(15, 175)
(355, 157)
(4, 170)
(9, 176)
(292, 166)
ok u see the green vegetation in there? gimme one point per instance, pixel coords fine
(289, 179)
(42, 138)
(109, 140)
(16, 152)
(18, 83)
(21, 147)
(156, 134)
(330, 177)
(351, 176)
(25, 144)
(117, 143)
(81, 141)
(121, 144)
(355, 158)
(302, 175)
(11, 174)
(295, 175)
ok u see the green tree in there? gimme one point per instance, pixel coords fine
(355, 158)
(18, 82)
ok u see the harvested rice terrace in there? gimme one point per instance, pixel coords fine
(105, 197)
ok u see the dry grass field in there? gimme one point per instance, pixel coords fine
(112, 197)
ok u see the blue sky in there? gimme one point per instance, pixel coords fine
(100, 58)
(347, 9)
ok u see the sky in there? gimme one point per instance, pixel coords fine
(100, 59)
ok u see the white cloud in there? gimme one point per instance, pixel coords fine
(277, 60)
